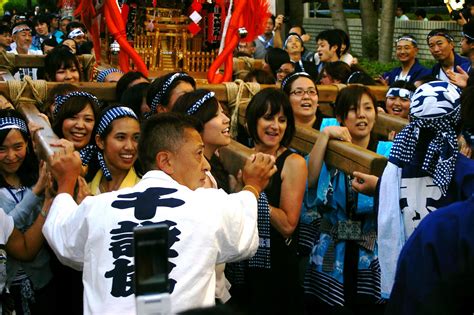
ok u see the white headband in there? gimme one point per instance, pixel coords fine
(75, 33)
(20, 28)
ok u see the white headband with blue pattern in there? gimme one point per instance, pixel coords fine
(400, 92)
(158, 97)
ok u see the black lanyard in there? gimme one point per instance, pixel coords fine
(14, 196)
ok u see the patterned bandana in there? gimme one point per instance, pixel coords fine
(195, 107)
(434, 106)
(104, 73)
(59, 100)
(403, 93)
(107, 118)
(294, 74)
(164, 90)
(13, 123)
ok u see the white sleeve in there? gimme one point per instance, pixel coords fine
(66, 230)
(6, 222)
(390, 228)
(237, 237)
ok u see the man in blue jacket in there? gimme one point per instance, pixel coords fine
(441, 45)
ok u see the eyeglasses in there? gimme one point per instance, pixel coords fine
(310, 92)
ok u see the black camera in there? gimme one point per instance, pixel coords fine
(466, 13)
(286, 19)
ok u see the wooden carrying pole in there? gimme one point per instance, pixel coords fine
(345, 156)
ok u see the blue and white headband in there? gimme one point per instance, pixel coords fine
(407, 38)
(107, 118)
(443, 34)
(13, 123)
(294, 74)
(164, 89)
(59, 100)
(104, 73)
(435, 106)
(400, 92)
(195, 107)
(75, 33)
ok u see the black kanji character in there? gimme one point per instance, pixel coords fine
(145, 203)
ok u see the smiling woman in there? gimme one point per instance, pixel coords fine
(21, 189)
(203, 105)
(343, 273)
(61, 65)
(271, 125)
(303, 94)
(117, 137)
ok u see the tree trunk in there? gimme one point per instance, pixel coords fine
(387, 25)
(369, 17)
(337, 13)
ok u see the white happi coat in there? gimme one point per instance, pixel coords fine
(207, 227)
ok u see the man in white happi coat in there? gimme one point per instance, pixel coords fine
(206, 226)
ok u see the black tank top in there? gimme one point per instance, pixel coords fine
(273, 189)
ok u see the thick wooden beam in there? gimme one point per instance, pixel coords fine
(45, 136)
(36, 61)
(233, 156)
(343, 155)
(383, 126)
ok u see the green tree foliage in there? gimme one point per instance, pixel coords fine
(21, 6)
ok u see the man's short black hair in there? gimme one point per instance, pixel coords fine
(333, 38)
(4, 29)
(41, 19)
(163, 132)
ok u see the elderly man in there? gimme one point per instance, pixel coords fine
(22, 39)
(206, 226)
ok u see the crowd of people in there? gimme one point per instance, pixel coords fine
(288, 234)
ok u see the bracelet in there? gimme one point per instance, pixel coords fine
(44, 213)
(252, 190)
